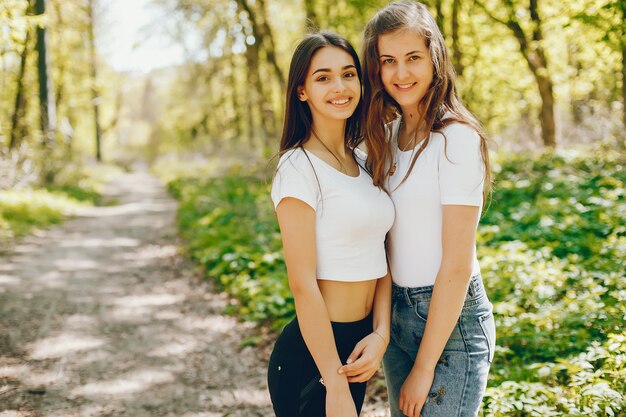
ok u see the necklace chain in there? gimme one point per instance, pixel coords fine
(413, 139)
(343, 168)
(394, 166)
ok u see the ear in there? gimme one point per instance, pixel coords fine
(301, 94)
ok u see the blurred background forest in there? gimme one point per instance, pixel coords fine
(537, 73)
(546, 77)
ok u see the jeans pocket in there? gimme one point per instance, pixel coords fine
(420, 309)
(488, 326)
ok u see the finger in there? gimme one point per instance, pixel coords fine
(418, 409)
(365, 376)
(411, 410)
(368, 368)
(357, 367)
(407, 408)
(356, 352)
(401, 404)
(362, 377)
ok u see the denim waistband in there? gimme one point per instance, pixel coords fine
(475, 288)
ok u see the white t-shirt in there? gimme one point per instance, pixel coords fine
(453, 177)
(352, 215)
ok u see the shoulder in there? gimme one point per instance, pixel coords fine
(294, 159)
(292, 155)
(360, 155)
(391, 128)
(461, 135)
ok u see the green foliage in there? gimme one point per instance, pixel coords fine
(551, 247)
(231, 229)
(589, 384)
(23, 210)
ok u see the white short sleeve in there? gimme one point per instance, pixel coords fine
(295, 178)
(361, 156)
(461, 167)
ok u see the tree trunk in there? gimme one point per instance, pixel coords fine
(311, 17)
(456, 47)
(548, 125)
(261, 102)
(623, 2)
(95, 99)
(46, 101)
(250, 100)
(542, 75)
(232, 80)
(440, 17)
(61, 62)
(252, 57)
(533, 52)
(263, 35)
(117, 111)
(19, 95)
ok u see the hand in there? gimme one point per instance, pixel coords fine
(414, 391)
(365, 359)
(339, 403)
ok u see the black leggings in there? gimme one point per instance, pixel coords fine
(293, 378)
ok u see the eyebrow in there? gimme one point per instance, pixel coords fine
(407, 54)
(329, 70)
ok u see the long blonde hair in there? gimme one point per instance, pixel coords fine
(379, 108)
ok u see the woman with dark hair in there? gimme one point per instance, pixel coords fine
(431, 154)
(333, 223)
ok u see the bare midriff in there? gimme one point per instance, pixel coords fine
(348, 301)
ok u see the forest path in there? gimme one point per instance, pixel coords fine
(101, 317)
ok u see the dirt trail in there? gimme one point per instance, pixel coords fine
(101, 317)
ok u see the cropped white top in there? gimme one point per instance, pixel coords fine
(449, 171)
(352, 215)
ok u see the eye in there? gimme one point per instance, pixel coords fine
(322, 78)
(349, 75)
(388, 61)
(414, 57)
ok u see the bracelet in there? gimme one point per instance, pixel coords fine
(380, 335)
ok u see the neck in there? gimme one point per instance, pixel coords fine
(412, 117)
(333, 135)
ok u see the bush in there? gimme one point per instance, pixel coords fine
(551, 245)
(26, 209)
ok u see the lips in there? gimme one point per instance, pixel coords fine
(341, 102)
(405, 87)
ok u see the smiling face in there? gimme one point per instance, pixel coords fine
(332, 87)
(406, 67)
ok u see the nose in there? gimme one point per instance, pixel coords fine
(402, 71)
(339, 85)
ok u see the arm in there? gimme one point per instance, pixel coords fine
(365, 359)
(458, 242)
(297, 225)
(382, 308)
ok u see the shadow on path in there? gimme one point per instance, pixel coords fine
(101, 317)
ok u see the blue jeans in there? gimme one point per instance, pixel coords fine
(461, 373)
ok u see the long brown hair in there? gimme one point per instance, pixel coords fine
(379, 108)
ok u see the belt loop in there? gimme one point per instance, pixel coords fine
(407, 297)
